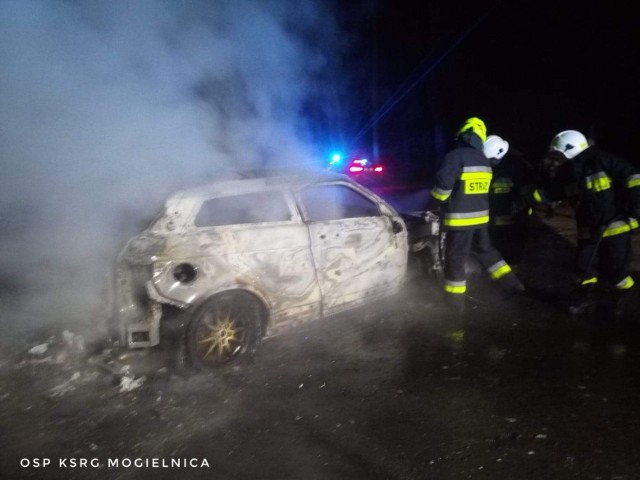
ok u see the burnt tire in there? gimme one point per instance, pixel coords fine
(224, 331)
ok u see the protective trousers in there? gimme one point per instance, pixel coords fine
(607, 259)
(459, 244)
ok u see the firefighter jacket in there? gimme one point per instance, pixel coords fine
(462, 183)
(512, 179)
(603, 189)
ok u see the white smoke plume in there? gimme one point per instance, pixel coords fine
(108, 106)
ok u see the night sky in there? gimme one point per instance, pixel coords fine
(529, 69)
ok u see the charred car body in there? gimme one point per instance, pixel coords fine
(241, 260)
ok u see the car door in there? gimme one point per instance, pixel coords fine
(250, 240)
(359, 251)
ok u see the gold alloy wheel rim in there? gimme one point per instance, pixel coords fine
(223, 337)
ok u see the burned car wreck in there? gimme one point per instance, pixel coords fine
(240, 260)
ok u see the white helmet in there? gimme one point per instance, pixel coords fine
(570, 143)
(495, 147)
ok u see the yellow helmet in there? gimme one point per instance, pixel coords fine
(477, 126)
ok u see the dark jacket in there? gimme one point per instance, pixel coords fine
(462, 184)
(603, 189)
(513, 178)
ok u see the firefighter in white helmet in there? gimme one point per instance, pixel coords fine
(512, 178)
(462, 187)
(604, 191)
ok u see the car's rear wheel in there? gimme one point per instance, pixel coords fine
(224, 330)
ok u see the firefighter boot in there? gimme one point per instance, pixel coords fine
(618, 303)
(511, 285)
(456, 301)
(582, 301)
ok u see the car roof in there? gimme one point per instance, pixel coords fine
(259, 182)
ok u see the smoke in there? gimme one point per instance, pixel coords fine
(107, 107)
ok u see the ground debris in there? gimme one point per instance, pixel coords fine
(128, 382)
(58, 348)
(65, 387)
(39, 349)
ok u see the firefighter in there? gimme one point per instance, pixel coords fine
(604, 191)
(512, 179)
(462, 187)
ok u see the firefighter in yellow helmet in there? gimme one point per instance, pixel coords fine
(604, 191)
(462, 187)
